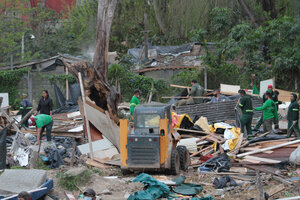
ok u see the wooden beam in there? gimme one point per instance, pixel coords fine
(85, 114)
(192, 131)
(260, 194)
(268, 148)
(262, 159)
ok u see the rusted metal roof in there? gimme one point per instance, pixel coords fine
(165, 68)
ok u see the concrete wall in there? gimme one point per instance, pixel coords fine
(39, 84)
(163, 74)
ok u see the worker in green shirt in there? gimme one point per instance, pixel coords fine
(42, 122)
(269, 112)
(134, 102)
(274, 97)
(196, 91)
(245, 103)
(293, 117)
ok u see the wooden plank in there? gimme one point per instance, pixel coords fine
(110, 130)
(276, 189)
(95, 106)
(268, 148)
(95, 164)
(180, 86)
(85, 114)
(191, 131)
(262, 159)
(239, 169)
(260, 194)
(199, 152)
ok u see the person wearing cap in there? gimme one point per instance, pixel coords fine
(269, 112)
(196, 91)
(245, 103)
(218, 97)
(25, 107)
(274, 97)
(89, 194)
(24, 196)
(293, 116)
(42, 122)
(134, 102)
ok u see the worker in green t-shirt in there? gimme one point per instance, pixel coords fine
(42, 122)
(269, 112)
(245, 103)
(134, 102)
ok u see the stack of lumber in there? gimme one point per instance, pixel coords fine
(200, 143)
(268, 152)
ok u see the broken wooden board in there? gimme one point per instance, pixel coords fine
(95, 164)
(116, 162)
(105, 125)
(268, 148)
(74, 114)
(275, 189)
(266, 160)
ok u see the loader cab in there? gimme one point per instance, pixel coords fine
(147, 117)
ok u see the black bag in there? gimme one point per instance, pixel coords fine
(3, 133)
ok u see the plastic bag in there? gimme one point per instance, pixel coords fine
(295, 156)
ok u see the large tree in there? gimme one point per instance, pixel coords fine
(95, 77)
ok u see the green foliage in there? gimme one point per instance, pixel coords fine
(130, 81)
(221, 21)
(97, 171)
(70, 182)
(197, 35)
(9, 80)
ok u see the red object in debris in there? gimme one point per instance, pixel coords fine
(205, 158)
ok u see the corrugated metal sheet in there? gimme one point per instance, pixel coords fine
(216, 112)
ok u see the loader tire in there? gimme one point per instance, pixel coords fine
(125, 171)
(175, 163)
(184, 156)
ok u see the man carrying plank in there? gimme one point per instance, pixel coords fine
(196, 91)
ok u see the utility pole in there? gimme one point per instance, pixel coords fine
(22, 47)
(146, 31)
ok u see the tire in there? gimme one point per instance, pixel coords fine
(184, 156)
(175, 163)
(125, 171)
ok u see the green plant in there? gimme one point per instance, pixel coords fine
(97, 171)
(9, 80)
(70, 182)
(130, 81)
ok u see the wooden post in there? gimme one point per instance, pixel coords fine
(85, 116)
(205, 77)
(73, 152)
(67, 84)
(260, 194)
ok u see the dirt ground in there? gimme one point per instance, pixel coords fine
(112, 185)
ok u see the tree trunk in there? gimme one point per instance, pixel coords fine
(248, 11)
(106, 9)
(95, 77)
(158, 17)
